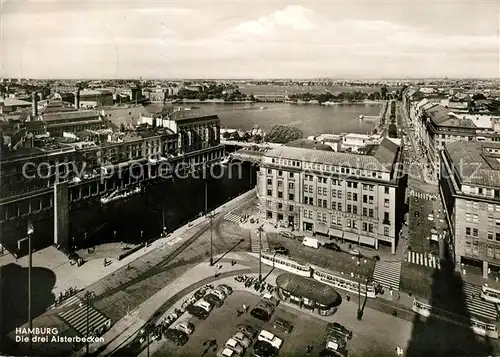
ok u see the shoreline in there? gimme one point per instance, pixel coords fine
(220, 101)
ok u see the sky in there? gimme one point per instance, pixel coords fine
(249, 39)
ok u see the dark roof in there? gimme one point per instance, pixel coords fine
(474, 163)
(192, 114)
(386, 151)
(309, 144)
(458, 123)
(438, 114)
(75, 115)
(309, 289)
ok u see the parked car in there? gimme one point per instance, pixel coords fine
(235, 346)
(226, 352)
(282, 324)
(198, 312)
(214, 300)
(286, 234)
(336, 327)
(247, 330)
(261, 314)
(264, 349)
(186, 327)
(199, 294)
(417, 214)
(226, 288)
(281, 250)
(268, 299)
(219, 293)
(355, 252)
(242, 339)
(176, 336)
(267, 336)
(332, 246)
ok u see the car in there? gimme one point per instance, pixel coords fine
(186, 327)
(226, 288)
(355, 252)
(242, 339)
(286, 234)
(281, 250)
(235, 346)
(261, 314)
(282, 324)
(219, 293)
(197, 311)
(214, 300)
(417, 214)
(332, 246)
(199, 294)
(267, 336)
(268, 299)
(264, 349)
(226, 352)
(247, 330)
(338, 328)
(176, 336)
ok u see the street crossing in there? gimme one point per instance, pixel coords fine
(255, 243)
(423, 195)
(76, 318)
(233, 217)
(427, 260)
(388, 274)
(477, 307)
(70, 301)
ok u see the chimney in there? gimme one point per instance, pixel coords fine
(34, 104)
(77, 98)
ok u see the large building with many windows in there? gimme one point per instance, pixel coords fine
(470, 189)
(350, 196)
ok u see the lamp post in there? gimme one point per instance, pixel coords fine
(87, 299)
(31, 231)
(359, 290)
(260, 230)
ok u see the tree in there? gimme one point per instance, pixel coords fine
(383, 92)
(393, 131)
(226, 135)
(235, 136)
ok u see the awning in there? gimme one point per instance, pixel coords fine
(336, 233)
(321, 228)
(351, 236)
(367, 240)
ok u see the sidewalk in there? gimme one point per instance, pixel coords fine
(93, 270)
(127, 327)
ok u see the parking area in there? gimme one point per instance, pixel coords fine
(340, 262)
(308, 330)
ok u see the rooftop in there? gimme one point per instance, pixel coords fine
(13, 102)
(476, 162)
(191, 114)
(309, 289)
(73, 115)
(309, 144)
(380, 159)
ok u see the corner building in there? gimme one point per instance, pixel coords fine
(342, 195)
(469, 184)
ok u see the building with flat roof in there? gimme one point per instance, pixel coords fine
(350, 196)
(469, 184)
(308, 293)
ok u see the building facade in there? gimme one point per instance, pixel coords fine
(469, 185)
(349, 196)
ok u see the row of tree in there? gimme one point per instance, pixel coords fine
(355, 96)
(214, 91)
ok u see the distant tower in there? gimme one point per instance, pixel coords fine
(77, 98)
(34, 104)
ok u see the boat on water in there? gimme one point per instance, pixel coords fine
(119, 195)
(361, 117)
(262, 108)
